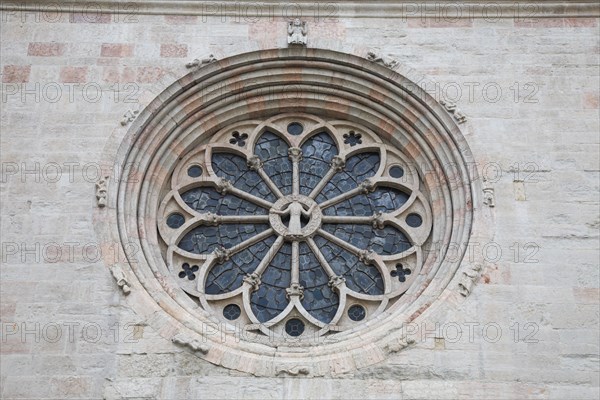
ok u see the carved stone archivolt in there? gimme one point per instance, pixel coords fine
(183, 210)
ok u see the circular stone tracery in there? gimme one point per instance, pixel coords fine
(193, 122)
(335, 239)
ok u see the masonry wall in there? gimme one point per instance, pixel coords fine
(530, 90)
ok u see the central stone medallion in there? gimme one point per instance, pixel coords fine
(295, 217)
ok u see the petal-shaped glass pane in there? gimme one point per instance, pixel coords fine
(207, 199)
(360, 277)
(273, 151)
(204, 239)
(226, 277)
(270, 298)
(383, 199)
(319, 299)
(234, 168)
(317, 153)
(386, 241)
(358, 168)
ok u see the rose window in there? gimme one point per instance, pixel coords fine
(295, 226)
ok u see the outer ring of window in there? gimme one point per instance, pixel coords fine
(193, 106)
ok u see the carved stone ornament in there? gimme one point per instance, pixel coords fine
(378, 220)
(297, 32)
(338, 163)
(367, 186)
(255, 163)
(129, 116)
(224, 186)
(295, 154)
(222, 254)
(101, 191)
(194, 344)
(199, 63)
(253, 280)
(295, 289)
(367, 256)
(293, 371)
(380, 59)
(489, 198)
(398, 345)
(121, 281)
(336, 281)
(452, 108)
(468, 278)
(209, 219)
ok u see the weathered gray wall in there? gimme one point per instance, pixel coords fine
(542, 132)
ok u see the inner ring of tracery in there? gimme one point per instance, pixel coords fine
(295, 217)
(295, 225)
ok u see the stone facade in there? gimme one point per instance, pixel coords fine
(521, 83)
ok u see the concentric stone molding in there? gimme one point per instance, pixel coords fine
(326, 10)
(259, 85)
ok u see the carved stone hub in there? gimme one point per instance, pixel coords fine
(291, 209)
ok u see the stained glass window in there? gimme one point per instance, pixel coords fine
(297, 226)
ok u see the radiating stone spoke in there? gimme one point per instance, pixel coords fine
(321, 258)
(256, 164)
(270, 254)
(295, 155)
(224, 186)
(224, 254)
(295, 288)
(295, 262)
(365, 255)
(366, 186)
(336, 165)
(244, 219)
(270, 183)
(212, 219)
(377, 220)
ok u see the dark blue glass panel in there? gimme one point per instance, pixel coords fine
(360, 277)
(270, 299)
(358, 168)
(383, 199)
(295, 129)
(207, 199)
(294, 327)
(319, 299)
(317, 153)
(227, 277)
(175, 220)
(396, 171)
(273, 151)
(194, 171)
(414, 220)
(204, 239)
(386, 241)
(234, 168)
(232, 312)
(357, 312)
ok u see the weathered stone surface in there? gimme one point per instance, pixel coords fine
(540, 136)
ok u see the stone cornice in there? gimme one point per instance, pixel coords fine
(310, 9)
